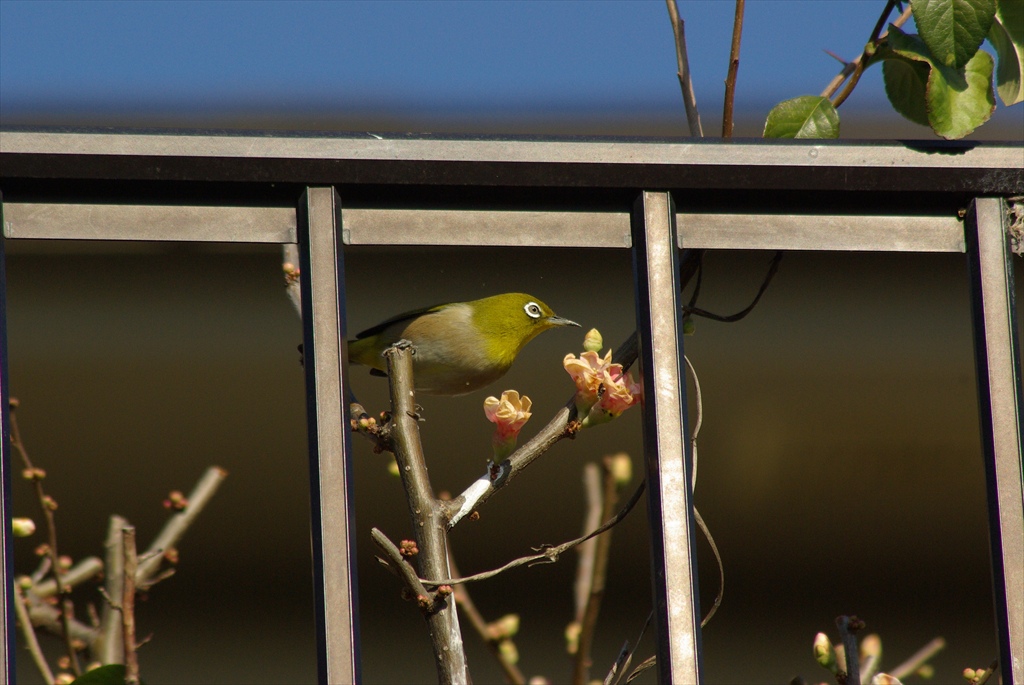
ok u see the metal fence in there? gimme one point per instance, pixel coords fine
(622, 193)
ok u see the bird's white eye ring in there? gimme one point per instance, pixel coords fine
(532, 310)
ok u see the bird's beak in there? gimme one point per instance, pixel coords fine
(559, 321)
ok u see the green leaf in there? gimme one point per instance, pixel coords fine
(1007, 37)
(906, 84)
(956, 101)
(807, 116)
(111, 674)
(953, 29)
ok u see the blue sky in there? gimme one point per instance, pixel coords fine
(404, 59)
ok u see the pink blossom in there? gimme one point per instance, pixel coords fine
(587, 373)
(620, 391)
(509, 414)
(603, 389)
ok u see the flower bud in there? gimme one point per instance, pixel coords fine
(593, 342)
(505, 627)
(23, 527)
(572, 637)
(885, 679)
(509, 653)
(824, 654)
(871, 646)
(621, 468)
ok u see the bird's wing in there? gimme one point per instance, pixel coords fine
(404, 317)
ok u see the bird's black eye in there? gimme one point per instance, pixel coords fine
(532, 310)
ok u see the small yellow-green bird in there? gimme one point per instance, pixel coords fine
(461, 346)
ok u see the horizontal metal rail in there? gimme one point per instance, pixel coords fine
(502, 228)
(592, 163)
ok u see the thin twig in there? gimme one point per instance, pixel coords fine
(698, 422)
(397, 563)
(734, 67)
(599, 572)
(856, 68)
(84, 570)
(620, 664)
(550, 554)
(773, 268)
(918, 658)
(646, 665)
(625, 657)
(30, 635)
(177, 525)
(486, 631)
(131, 564)
(683, 62)
(848, 627)
(50, 617)
(429, 522)
(585, 552)
(721, 568)
(48, 505)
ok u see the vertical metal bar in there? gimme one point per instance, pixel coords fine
(7, 567)
(997, 355)
(666, 439)
(323, 315)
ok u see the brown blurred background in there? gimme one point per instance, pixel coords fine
(840, 467)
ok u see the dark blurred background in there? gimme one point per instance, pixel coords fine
(840, 467)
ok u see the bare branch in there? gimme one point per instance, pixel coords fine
(645, 665)
(918, 658)
(602, 550)
(30, 635)
(856, 68)
(110, 647)
(429, 522)
(550, 554)
(848, 627)
(48, 616)
(404, 570)
(496, 641)
(86, 569)
(47, 505)
(131, 563)
(625, 657)
(177, 525)
(685, 81)
(734, 67)
(585, 552)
